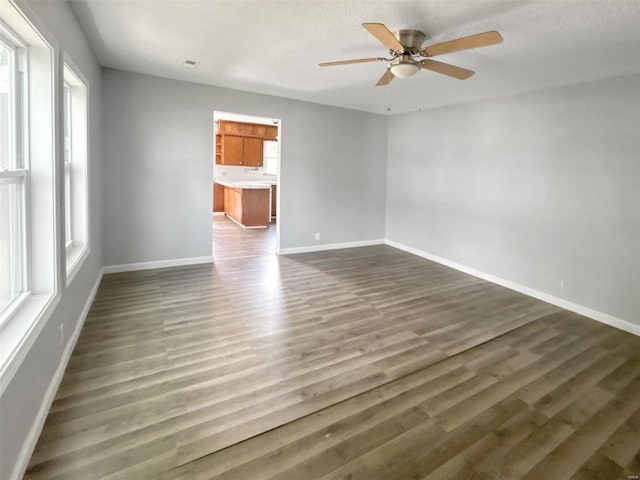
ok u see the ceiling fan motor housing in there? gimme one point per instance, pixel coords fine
(411, 40)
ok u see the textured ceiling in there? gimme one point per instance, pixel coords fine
(274, 46)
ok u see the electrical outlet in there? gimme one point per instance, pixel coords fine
(61, 333)
(318, 236)
(224, 174)
(561, 283)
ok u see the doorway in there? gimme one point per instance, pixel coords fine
(246, 180)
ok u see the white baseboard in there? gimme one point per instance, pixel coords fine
(601, 317)
(176, 262)
(22, 462)
(218, 214)
(329, 246)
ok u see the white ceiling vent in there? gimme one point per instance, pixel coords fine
(191, 63)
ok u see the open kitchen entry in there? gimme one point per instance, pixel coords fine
(245, 185)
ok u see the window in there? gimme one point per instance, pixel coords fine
(75, 168)
(67, 164)
(14, 280)
(29, 239)
(271, 156)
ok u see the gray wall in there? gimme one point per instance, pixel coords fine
(23, 396)
(158, 168)
(535, 189)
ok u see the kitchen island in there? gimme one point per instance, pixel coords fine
(247, 202)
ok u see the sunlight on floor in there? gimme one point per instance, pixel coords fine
(230, 240)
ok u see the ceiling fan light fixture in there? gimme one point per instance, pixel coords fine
(404, 68)
(405, 45)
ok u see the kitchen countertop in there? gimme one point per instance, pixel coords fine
(256, 184)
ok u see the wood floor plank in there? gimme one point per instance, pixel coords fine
(599, 468)
(565, 460)
(622, 445)
(356, 363)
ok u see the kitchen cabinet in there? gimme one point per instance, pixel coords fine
(240, 143)
(218, 197)
(274, 196)
(218, 149)
(242, 129)
(235, 150)
(232, 151)
(247, 206)
(252, 152)
(233, 203)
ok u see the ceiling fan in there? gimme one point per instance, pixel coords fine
(404, 45)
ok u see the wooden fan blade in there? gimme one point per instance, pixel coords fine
(384, 35)
(446, 69)
(465, 43)
(346, 62)
(385, 79)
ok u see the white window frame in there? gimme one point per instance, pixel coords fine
(66, 102)
(18, 173)
(75, 171)
(269, 171)
(272, 159)
(20, 330)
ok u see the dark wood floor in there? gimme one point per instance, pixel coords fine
(359, 363)
(231, 241)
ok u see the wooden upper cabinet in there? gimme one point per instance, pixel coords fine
(271, 132)
(256, 130)
(218, 149)
(236, 150)
(252, 151)
(228, 128)
(232, 150)
(241, 143)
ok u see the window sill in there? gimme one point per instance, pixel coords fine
(76, 255)
(19, 334)
(13, 307)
